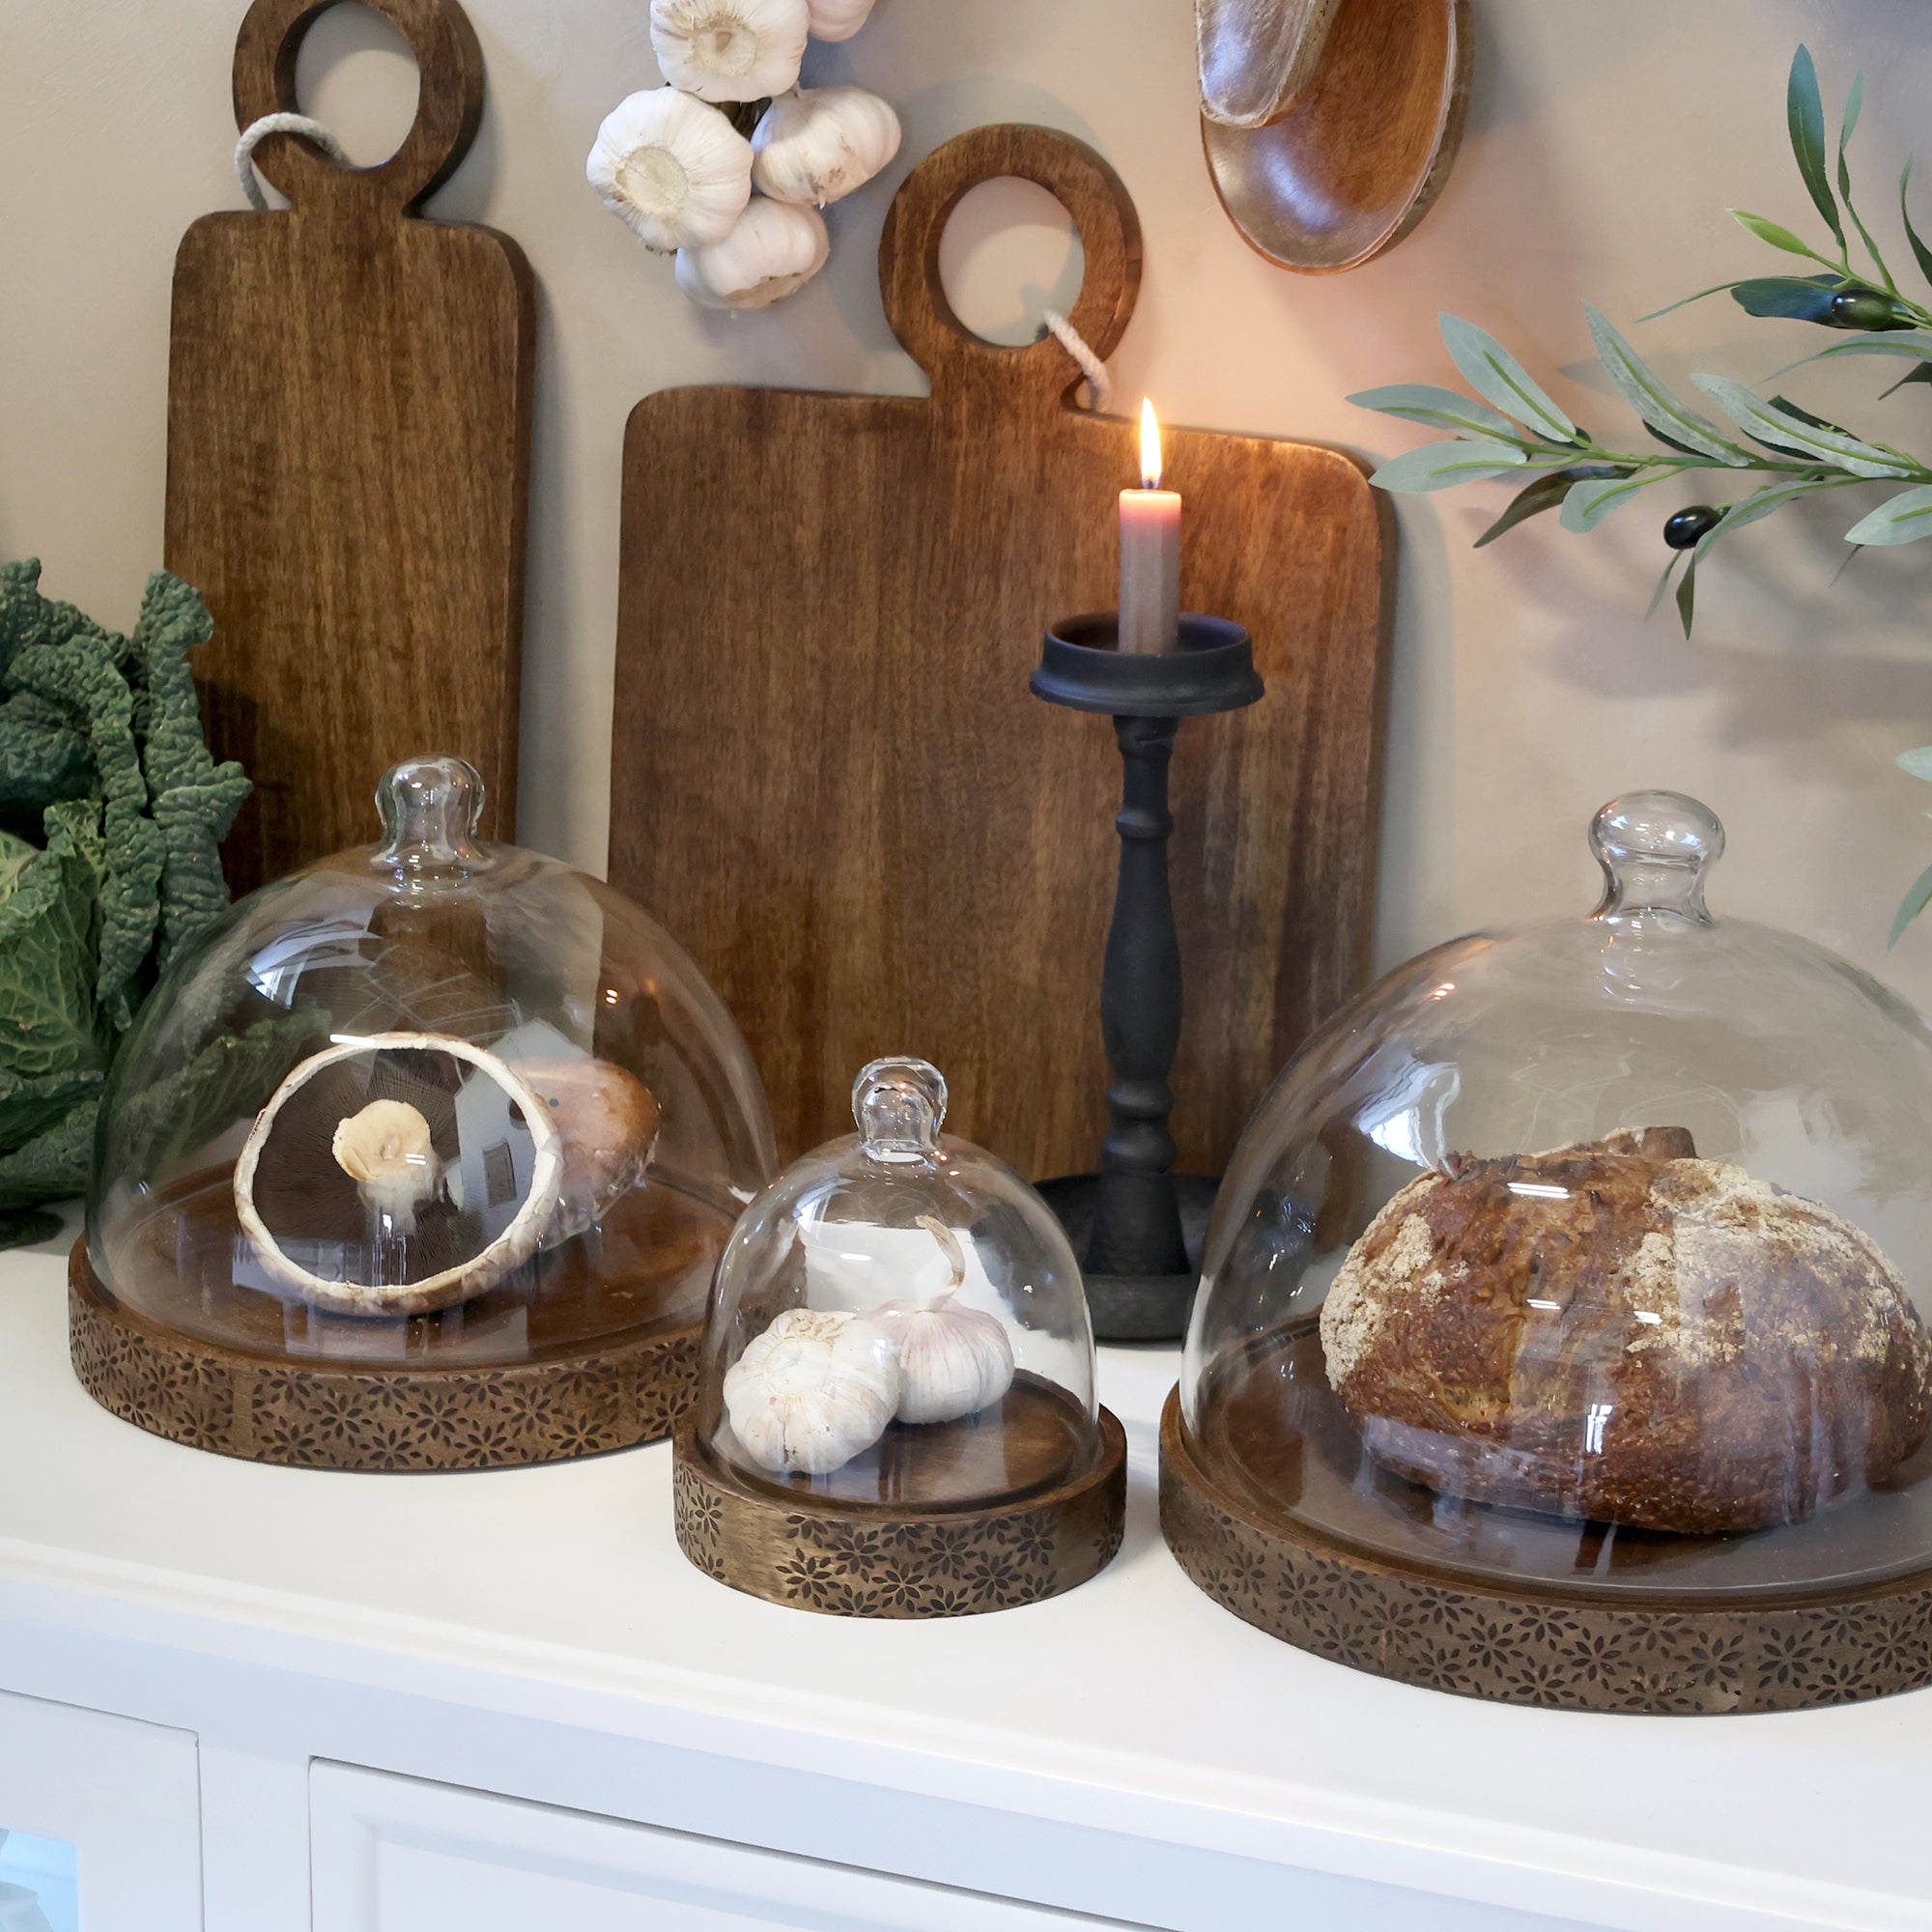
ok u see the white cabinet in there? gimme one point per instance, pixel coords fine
(123, 1795)
(396, 1855)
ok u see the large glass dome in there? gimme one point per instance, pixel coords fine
(433, 1104)
(1592, 1259)
(899, 1320)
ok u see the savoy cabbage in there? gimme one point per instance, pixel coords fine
(111, 818)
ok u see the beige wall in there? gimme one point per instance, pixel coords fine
(1603, 143)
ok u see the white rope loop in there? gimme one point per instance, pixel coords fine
(1099, 384)
(277, 123)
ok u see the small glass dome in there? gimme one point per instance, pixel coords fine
(899, 1320)
(1593, 1257)
(436, 1103)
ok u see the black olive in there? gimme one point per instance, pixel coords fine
(1862, 308)
(1682, 530)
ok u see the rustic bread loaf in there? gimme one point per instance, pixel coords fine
(1623, 1332)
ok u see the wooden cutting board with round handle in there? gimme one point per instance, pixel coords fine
(349, 416)
(829, 777)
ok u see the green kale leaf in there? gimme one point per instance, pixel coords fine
(102, 759)
(194, 799)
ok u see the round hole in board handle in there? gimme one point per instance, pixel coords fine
(1009, 251)
(356, 73)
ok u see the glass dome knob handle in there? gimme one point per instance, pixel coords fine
(1654, 848)
(899, 1104)
(430, 808)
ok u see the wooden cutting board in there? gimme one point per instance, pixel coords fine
(830, 781)
(348, 415)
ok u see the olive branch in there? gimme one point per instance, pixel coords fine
(1516, 429)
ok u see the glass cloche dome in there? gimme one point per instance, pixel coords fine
(434, 1105)
(899, 1320)
(1592, 1259)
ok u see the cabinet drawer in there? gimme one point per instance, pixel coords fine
(109, 1817)
(397, 1855)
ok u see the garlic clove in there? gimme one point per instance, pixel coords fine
(731, 50)
(386, 1151)
(953, 1361)
(818, 144)
(776, 248)
(672, 167)
(811, 1392)
(836, 20)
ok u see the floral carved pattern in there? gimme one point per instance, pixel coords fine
(842, 1562)
(325, 1418)
(1570, 1657)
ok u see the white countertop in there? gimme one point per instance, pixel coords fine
(1134, 1704)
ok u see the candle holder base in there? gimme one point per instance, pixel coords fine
(1136, 1307)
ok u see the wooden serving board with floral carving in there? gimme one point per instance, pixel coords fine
(831, 780)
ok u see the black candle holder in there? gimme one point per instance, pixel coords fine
(1137, 1225)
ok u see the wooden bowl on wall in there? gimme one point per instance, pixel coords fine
(1364, 144)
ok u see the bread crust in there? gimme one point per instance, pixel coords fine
(1624, 1332)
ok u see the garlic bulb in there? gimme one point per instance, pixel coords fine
(672, 167)
(836, 20)
(813, 1391)
(386, 1151)
(776, 248)
(818, 144)
(953, 1361)
(731, 50)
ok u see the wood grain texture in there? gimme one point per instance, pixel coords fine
(349, 417)
(852, 1560)
(1353, 161)
(829, 777)
(1661, 1655)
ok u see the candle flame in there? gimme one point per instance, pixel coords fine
(1149, 447)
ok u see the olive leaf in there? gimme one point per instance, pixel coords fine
(1785, 407)
(1916, 342)
(1920, 253)
(1677, 556)
(1438, 465)
(1544, 494)
(1645, 391)
(1921, 374)
(1854, 101)
(1804, 116)
(1759, 503)
(1686, 594)
(1919, 763)
(1439, 409)
(1588, 502)
(1901, 519)
(1777, 430)
(1793, 297)
(1772, 232)
(1684, 301)
(1914, 901)
(1500, 378)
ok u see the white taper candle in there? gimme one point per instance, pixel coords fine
(1150, 552)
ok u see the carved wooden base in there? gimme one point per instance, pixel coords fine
(852, 1560)
(412, 1418)
(1653, 1654)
